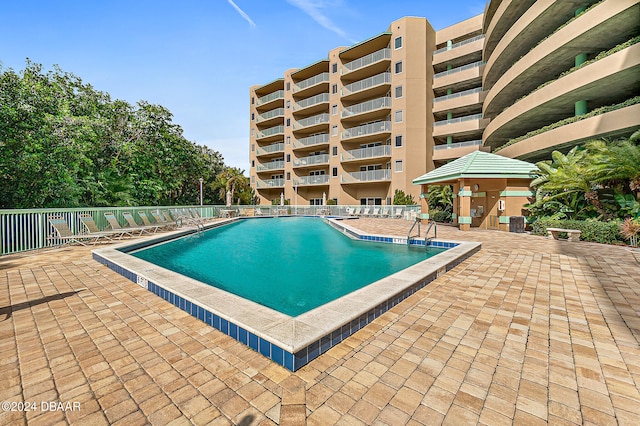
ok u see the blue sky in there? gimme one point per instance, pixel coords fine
(198, 58)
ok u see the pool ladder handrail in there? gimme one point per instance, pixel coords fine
(432, 224)
(417, 221)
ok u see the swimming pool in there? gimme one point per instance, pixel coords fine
(291, 264)
(291, 341)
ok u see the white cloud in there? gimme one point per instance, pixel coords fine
(315, 9)
(242, 13)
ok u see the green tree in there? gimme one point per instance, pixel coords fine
(402, 199)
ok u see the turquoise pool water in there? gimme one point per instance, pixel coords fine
(291, 265)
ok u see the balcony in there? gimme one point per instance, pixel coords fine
(367, 110)
(276, 148)
(271, 97)
(270, 133)
(311, 180)
(312, 160)
(462, 43)
(312, 85)
(461, 126)
(455, 150)
(464, 77)
(271, 183)
(460, 103)
(460, 53)
(372, 63)
(307, 104)
(270, 116)
(314, 141)
(383, 175)
(367, 88)
(273, 165)
(356, 155)
(366, 132)
(313, 123)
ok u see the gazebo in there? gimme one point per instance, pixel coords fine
(487, 189)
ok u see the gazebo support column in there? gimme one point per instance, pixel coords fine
(464, 205)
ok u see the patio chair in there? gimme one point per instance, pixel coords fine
(375, 212)
(92, 228)
(398, 213)
(349, 211)
(134, 225)
(385, 212)
(115, 225)
(357, 211)
(64, 233)
(365, 212)
(161, 219)
(147, 222)
(196, 215)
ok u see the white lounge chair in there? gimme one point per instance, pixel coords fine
(365, 212)
(385, 212)
(398, 213)
(63, 232)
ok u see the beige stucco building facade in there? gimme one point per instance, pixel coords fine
(368, 119)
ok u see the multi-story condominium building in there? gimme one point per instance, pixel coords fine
(367, 120)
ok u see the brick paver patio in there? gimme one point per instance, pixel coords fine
(527, 331)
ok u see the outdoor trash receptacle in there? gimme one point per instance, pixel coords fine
(516, 224)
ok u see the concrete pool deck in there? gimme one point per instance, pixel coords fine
(526, 331)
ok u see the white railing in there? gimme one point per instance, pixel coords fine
(273, 165)
(459, 69)
(371, 152)
(316, 79)
(371, 105)
(276, 130)
(276, 147)
(376, 80)
(462, 43)
(367, 129)
(319, 139)
(314, 100)
(271, 97)
(458, 120)
(457, 95)
(311, 180)
(311, 121)
(457, 145)
(311, 160)
(367, 176)
(270, 114)
(380, 55)
(270, 183)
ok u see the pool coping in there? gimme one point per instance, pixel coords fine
(289, 341)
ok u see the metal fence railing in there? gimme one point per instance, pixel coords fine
(29, 229)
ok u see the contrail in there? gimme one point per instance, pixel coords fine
(313, 8)
(241, 12)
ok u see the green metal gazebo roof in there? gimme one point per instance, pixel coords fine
(479, 164)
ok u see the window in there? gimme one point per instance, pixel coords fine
(253, 116)
(398, 165)
(334, 151)
(334, 172)
(288, 86)
(288, 104)
(288, 122)
(398, 116)
(253, 132)
(288, 158)
(288, 140)
(315, 201)
(370, 201)
(253, 163)
(398, 91)
(397, 43)
(398, 141)
(398, 67)
(334, 89)
(334, 109)
(253, 100)
(334, 131)
(253, 179)
(334, 68)
(253, 147)
(288, 175)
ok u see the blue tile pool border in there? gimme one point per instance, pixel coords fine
(287, 359)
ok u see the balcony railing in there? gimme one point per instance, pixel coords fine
(367, 129)
(311, 121)
(457, 145)
(270, 114)
(458, 120)
(460, 69)
(366, 107)
(271, 183)
(311, 180)
(364, 61)
(311, 160)
(271, 149)
(368, 176)
(314, 100)
(457, 95)
(363, 153)
(316, 79)
(376, 80)
(319, 139)
(270, 132)
(462, 43)
(270, 97)
(273, 165)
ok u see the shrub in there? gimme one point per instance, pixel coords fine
(592, 230)
(440, 216)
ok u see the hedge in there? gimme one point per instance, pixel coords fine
(592, 230)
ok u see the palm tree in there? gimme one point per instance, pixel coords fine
(231, 179)
(616, 162)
